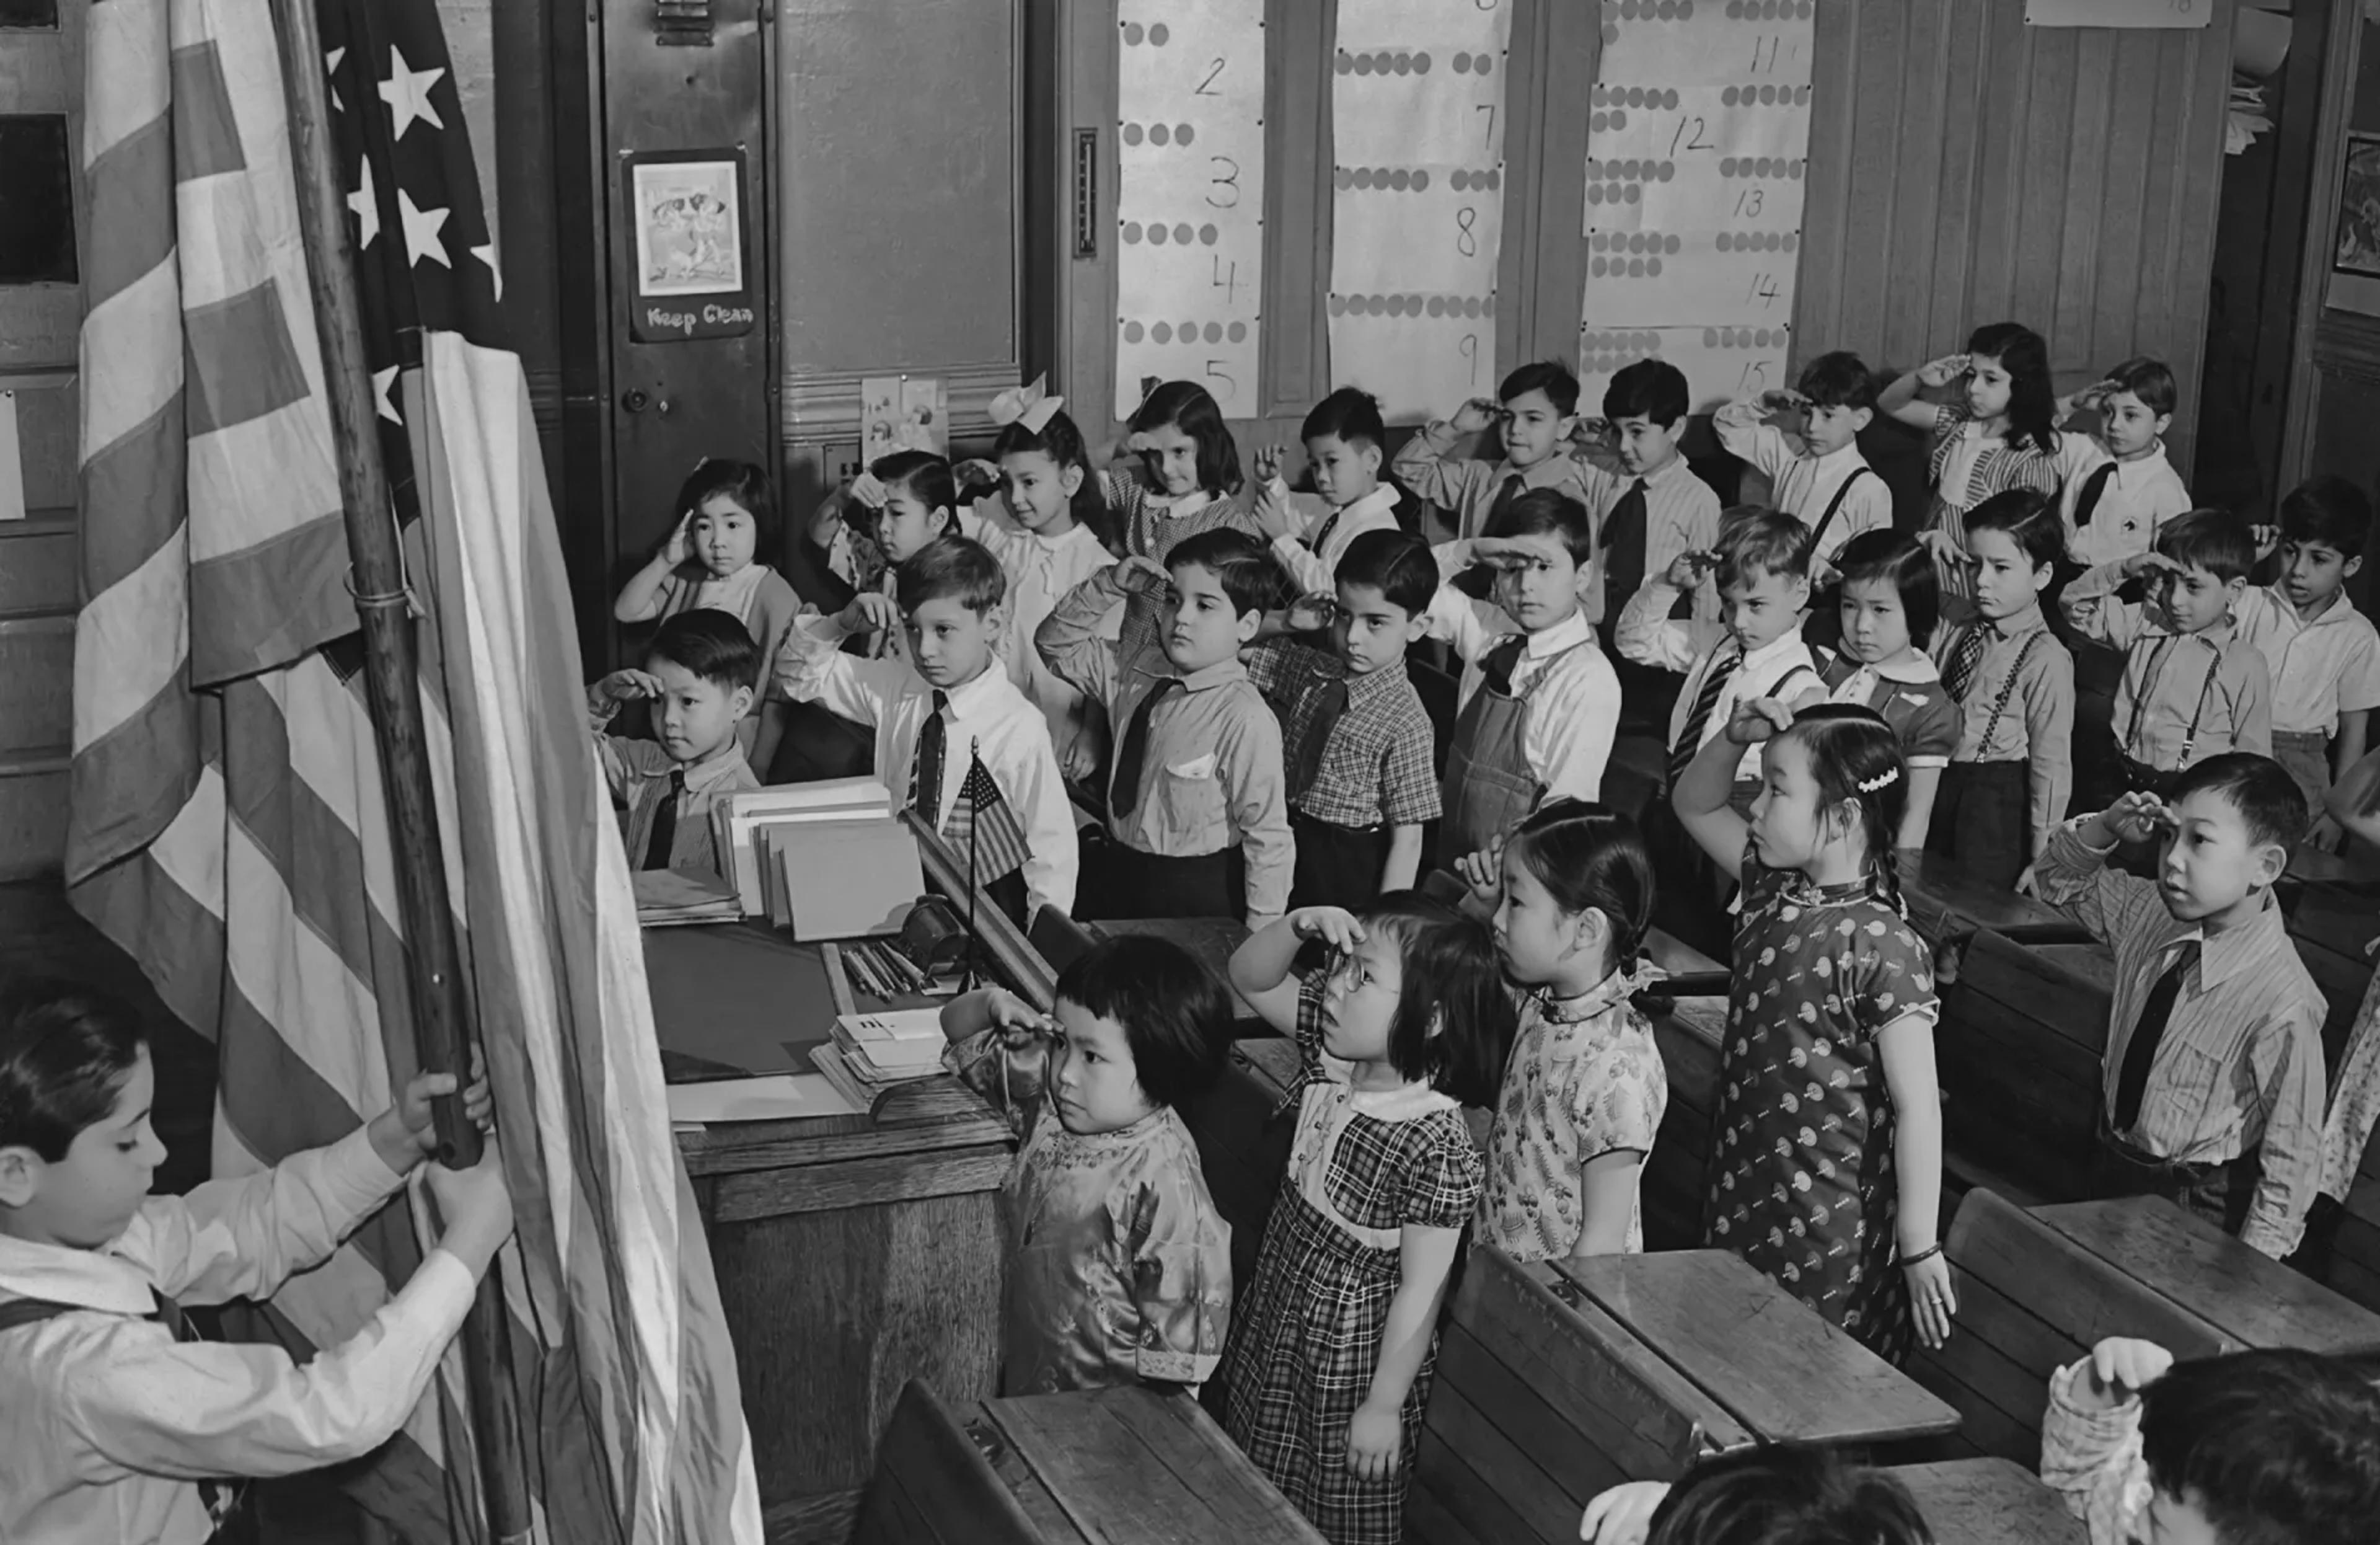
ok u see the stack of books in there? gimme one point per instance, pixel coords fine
(870, 1052)
(671, 898)
(828, 860)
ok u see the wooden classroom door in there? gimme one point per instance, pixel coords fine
(1298, 52)
(685, 140)
(40, 311)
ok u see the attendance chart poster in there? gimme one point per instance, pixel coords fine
(1417, 200)
(1189, 198)
(1697, 142)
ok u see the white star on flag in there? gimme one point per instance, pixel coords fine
(406, 92)
(487, 254)
(331, 67)
(366, 203)
(421, 231)
(383, 380)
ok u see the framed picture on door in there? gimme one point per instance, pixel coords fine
(691, 245)
(2355, 242)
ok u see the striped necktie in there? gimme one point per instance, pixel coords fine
(1966, 658)
(1723, 666)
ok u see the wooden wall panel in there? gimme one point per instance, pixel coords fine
(1965, 168)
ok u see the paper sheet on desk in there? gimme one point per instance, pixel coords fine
(782, 1097)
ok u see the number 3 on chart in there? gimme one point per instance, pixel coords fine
(1230, 180)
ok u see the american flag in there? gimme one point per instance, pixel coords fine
(983, 827)
(228, 820)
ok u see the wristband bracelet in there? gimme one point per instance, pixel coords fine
(1926, 1254)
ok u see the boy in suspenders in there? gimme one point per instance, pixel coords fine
(1539, 705)
(1816, 474)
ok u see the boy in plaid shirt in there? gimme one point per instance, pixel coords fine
(1363, 778)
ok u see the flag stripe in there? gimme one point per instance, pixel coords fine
(124, 181)
(243, 363)
(206, 135)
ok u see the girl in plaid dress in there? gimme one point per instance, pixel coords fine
(1328, 1362)
(1826, 1168)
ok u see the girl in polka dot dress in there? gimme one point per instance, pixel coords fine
(1333, 1344)
(1826, 1171)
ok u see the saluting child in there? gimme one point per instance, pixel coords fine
(1585, 1091)
(1997, 434)
(1119, 1265)
(1536, 411)
(698, 676)
(1889, 606)
(1816, 473)
(714, 558)
(2118, 487)
(2008, 783)
(117, 1425)
(943, 707)
(1540, 704)
(2191, 686)
(2324, 653)
(1345, 438)
(1334, 1347)
(1362, 780)
(1827, 1167)
(867, 531)
(1197, 818)
(1180, 479)
(2213, 1076)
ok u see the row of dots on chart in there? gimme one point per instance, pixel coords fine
(1397, 179)
(1462, 306)
(1188, 333)
(1737, 10)
(1386, 63)
(1666, 101)
(1158, 233)
(1160, 134)
(1635, 343)
(1647, 170)
(1653, 244)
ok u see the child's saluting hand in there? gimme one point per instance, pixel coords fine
(623, 686)
(2120, 1368)
(1757, 719)
(1943, 371)
(2138, 817)
(1474, 416)
(1335, 926)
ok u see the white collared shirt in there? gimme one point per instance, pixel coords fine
(2321, 668)
(1041, 570)
(1572, 692)
(1803, 485)
(990, 717)
(1317, 569)
(1781, 667)
(108, 1423)
(2140, 496)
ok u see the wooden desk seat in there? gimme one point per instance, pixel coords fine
(1989, 1501)
(2254, 1300)
(2030, 1301)
(2352, 1265)
(1690, 1037)
(1542, 1401)
(932, 1486)
(2018, 1052)
(2330, 927)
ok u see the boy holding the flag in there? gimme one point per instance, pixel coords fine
(956, 737)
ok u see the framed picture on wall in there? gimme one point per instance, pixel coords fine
(2355, 245)
(685, 214)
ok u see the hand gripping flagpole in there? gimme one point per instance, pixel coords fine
(442, 1026)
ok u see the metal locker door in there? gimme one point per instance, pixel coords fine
(684, 125)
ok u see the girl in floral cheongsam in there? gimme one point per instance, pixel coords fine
(1826, 1168)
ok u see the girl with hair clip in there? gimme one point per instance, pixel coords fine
(1826, 1173)
(1585, 1091)
(1998, 431)
(1048, 525)
(1188, 481)
(1333, 1344)
(713, 559)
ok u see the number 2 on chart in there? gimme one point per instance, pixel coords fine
(1206, 87)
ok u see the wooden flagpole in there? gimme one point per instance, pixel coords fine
(441, 1023)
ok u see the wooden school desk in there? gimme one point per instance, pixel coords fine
(2253, 1299)
(1093, 1467)
(1759, 1353)
(1989, 1501)
(853, 1252)
(1945, 900)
